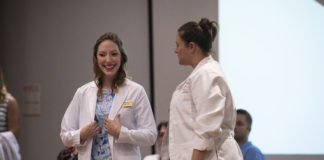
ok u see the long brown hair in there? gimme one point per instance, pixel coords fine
(3, 88)
(121, 74)
(202, 33)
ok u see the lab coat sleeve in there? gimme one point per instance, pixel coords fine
(209, 103)
(9, 147)
(145, 134)
(70, 131)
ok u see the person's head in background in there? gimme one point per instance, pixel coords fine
(3, 89)
(162, 128)
(109, 61)
(194, 41)
(243, 126)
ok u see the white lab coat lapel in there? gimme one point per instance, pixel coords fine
(119, 99)
(92, 101)
(200, 64)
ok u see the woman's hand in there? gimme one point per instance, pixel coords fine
(198, 155)
(113, 126)
(89, 131)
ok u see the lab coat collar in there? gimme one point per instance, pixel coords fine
(201, 63)
(93, 100)
(119, 99)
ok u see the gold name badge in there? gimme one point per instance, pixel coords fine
(127, 104)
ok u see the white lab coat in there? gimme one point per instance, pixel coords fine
(9, 147)
(138, 124)
(202, 116)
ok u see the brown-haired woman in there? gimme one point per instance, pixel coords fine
(111, 116)
(202, 115)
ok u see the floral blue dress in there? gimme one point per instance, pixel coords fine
(100, 145)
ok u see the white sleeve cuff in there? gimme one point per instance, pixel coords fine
(123, 136)
(204, 144)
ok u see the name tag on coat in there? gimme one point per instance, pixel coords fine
(127, 103)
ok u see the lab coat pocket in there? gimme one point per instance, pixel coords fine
(127, 117)
(187, 99)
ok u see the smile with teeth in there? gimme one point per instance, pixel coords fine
(109, 67)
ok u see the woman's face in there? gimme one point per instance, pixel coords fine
(108, 58)
(182, 51)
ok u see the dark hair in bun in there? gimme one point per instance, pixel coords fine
(202, 33)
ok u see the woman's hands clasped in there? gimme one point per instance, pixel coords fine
(113, 127)
(89, 131)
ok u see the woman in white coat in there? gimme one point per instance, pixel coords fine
(202, 115)
(110, 117)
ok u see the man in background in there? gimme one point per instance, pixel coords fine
(162, 128)
(242, 131)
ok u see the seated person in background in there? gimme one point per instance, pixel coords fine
(242, 131)
(9, 124)
(162, 127)
(68, 153)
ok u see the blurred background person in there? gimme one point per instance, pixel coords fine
(242, 131)
(9, 123)
(162, 128)
(68, 153)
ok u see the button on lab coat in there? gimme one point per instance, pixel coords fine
(138, 124)
(202, 116)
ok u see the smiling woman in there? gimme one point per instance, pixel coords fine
(109, 57)
(111, 116)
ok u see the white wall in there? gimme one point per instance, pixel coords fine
(271, 52)
(293, 157)
(50, 43)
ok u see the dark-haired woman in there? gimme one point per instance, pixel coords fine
(110, 117)
(202, 115)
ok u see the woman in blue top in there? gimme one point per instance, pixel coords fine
(110, 117)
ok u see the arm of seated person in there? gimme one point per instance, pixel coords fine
(13, 116)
